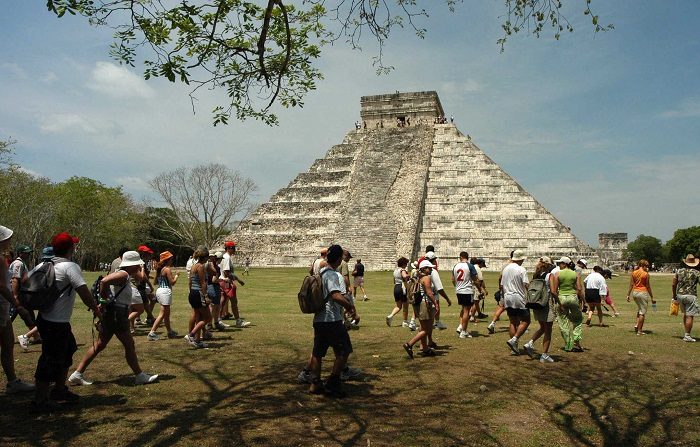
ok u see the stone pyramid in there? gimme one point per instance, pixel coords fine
(404, 180)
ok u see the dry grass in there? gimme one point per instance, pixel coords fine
(242, 391)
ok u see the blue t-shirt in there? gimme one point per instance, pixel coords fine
(359, 269)
(332, 282)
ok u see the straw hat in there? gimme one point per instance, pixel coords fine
(691, 261)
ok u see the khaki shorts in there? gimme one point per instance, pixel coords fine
(642, 300)
(546, 314)
(689, 305)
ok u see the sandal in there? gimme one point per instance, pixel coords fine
(430, 352)
(409, 350)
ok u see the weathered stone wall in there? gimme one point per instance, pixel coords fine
(611, 247)
(382, 111)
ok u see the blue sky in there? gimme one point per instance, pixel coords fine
(604, 130)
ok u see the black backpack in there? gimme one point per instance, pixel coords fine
(537, 295)
(95, 290)
(40, 291)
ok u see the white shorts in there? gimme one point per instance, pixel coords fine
(164, 295)
(135, 296)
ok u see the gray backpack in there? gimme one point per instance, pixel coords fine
(537, 295)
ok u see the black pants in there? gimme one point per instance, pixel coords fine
(57, 349)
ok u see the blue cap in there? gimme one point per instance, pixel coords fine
(47, 253)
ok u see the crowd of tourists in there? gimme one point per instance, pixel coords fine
(120, 299)
(117, 301)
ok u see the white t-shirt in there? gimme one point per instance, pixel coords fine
(332, 281)
(316, 267)
(435, 279)
(479, 273)
(514, 282)
(226, 264)
(66, 273)
(462, 273)
(596, 281)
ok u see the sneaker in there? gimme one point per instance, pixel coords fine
(227, 317)
(577, 349)
(513, 345)
(350, 373)
(304, 377)
(23, 342)
(440, 325)
(221, 323)
(241, 323)
(150, 321)
(617, 314)
(152, 336)
(688, 338)
(472, 319)
(409, 350)
(412, 325)
(63, 395)
(172, 334)
(17, 386)
(492, 328)
(465, 334)
(482, 316)
(459, 329)
(221, 326)
(77, 378)
(404, 324)
(364, 298)
(545, 358)
(142, 378)
(137, 321)
(430, 352)
(355, 324)
(388, 320)
(190, 339)
(530, 350)
(208, 335)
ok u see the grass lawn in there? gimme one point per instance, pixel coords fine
(625, 390)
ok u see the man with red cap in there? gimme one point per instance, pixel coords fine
(58, 342)
(229, 277)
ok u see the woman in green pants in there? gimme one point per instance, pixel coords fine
(566, 288)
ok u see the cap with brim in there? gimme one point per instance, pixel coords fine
(583, 261)
(563, 260)
(229, 244)
(46, 253)
(518, 255)
(5, 233)
(63, 241)
(24, 249)
(165, 256)
(144, 249)
(425, 263)
(546, 259)
(130, 258)
(691, 261)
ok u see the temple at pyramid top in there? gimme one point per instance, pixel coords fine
(406, 108)
(405, 178)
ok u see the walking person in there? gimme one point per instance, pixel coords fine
(514, 283)
(198, 299)
(214, 289)
(566, 288)
(425, 309)
(58, 343)
(464, 277)
(479, 297)
(607, 274)
(545, 316)
(117, 290)
(596, 288)
(18, 275)
(400, 279)
(640, 290)
(7, 336)
(164, 294)
(358, 274)
(228, 272)
(498, 296)
(685, 292)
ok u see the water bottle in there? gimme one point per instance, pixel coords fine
(653, 307)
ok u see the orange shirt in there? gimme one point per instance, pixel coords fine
(640, 279)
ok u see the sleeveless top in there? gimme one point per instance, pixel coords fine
(163, 280)
(567, 282)
(125, 292)
(398, 279)
(639, 280)
(195, 279)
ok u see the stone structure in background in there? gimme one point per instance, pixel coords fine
(611, 248)
(392, 188)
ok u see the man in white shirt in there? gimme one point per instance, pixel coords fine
(437, 283)
(596, 290)
(58, 343)
(227, 272)
(464, 276)
(514, 284)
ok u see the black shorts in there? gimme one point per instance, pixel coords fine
(592, 296)
(333, 335)
(399, 295)
(465, 299)
(115, 319)
(57, 349)
(515, 312)
(195, 299)
(214, 293)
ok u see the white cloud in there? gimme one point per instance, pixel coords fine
(133, 184)
(118, 82)
(687, 108)
(459, 88)
(49, 77)
(61, 122)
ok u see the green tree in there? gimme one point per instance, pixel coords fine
(684, 241)
(645, 247)
(263, 53)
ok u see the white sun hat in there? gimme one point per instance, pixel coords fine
(130, 258)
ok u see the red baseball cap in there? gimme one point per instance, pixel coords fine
(144, 249)
(229, 244)
(63, 241)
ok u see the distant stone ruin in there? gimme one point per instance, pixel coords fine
(397, 184)
(612, 247)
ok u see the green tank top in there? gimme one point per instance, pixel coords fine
(567, 282)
